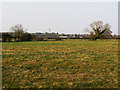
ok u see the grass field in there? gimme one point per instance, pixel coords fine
(71, 63)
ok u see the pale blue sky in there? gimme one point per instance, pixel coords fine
(62, 17)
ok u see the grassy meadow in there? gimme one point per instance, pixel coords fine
(70, 63)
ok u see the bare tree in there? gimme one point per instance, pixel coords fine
(18, 32)
(99, 30)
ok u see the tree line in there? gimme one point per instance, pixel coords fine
(96, 29)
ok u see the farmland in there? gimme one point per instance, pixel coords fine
(70, 63)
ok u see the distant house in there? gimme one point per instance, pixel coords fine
(81, 36)
(63, 36)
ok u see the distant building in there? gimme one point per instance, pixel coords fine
(63, 36)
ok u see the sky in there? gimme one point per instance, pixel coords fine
(61, 17)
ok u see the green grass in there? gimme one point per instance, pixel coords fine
(71, 63)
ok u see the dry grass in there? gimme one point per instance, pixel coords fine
(60, 64)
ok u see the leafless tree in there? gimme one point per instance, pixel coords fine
(18, 32)
(99, 30)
